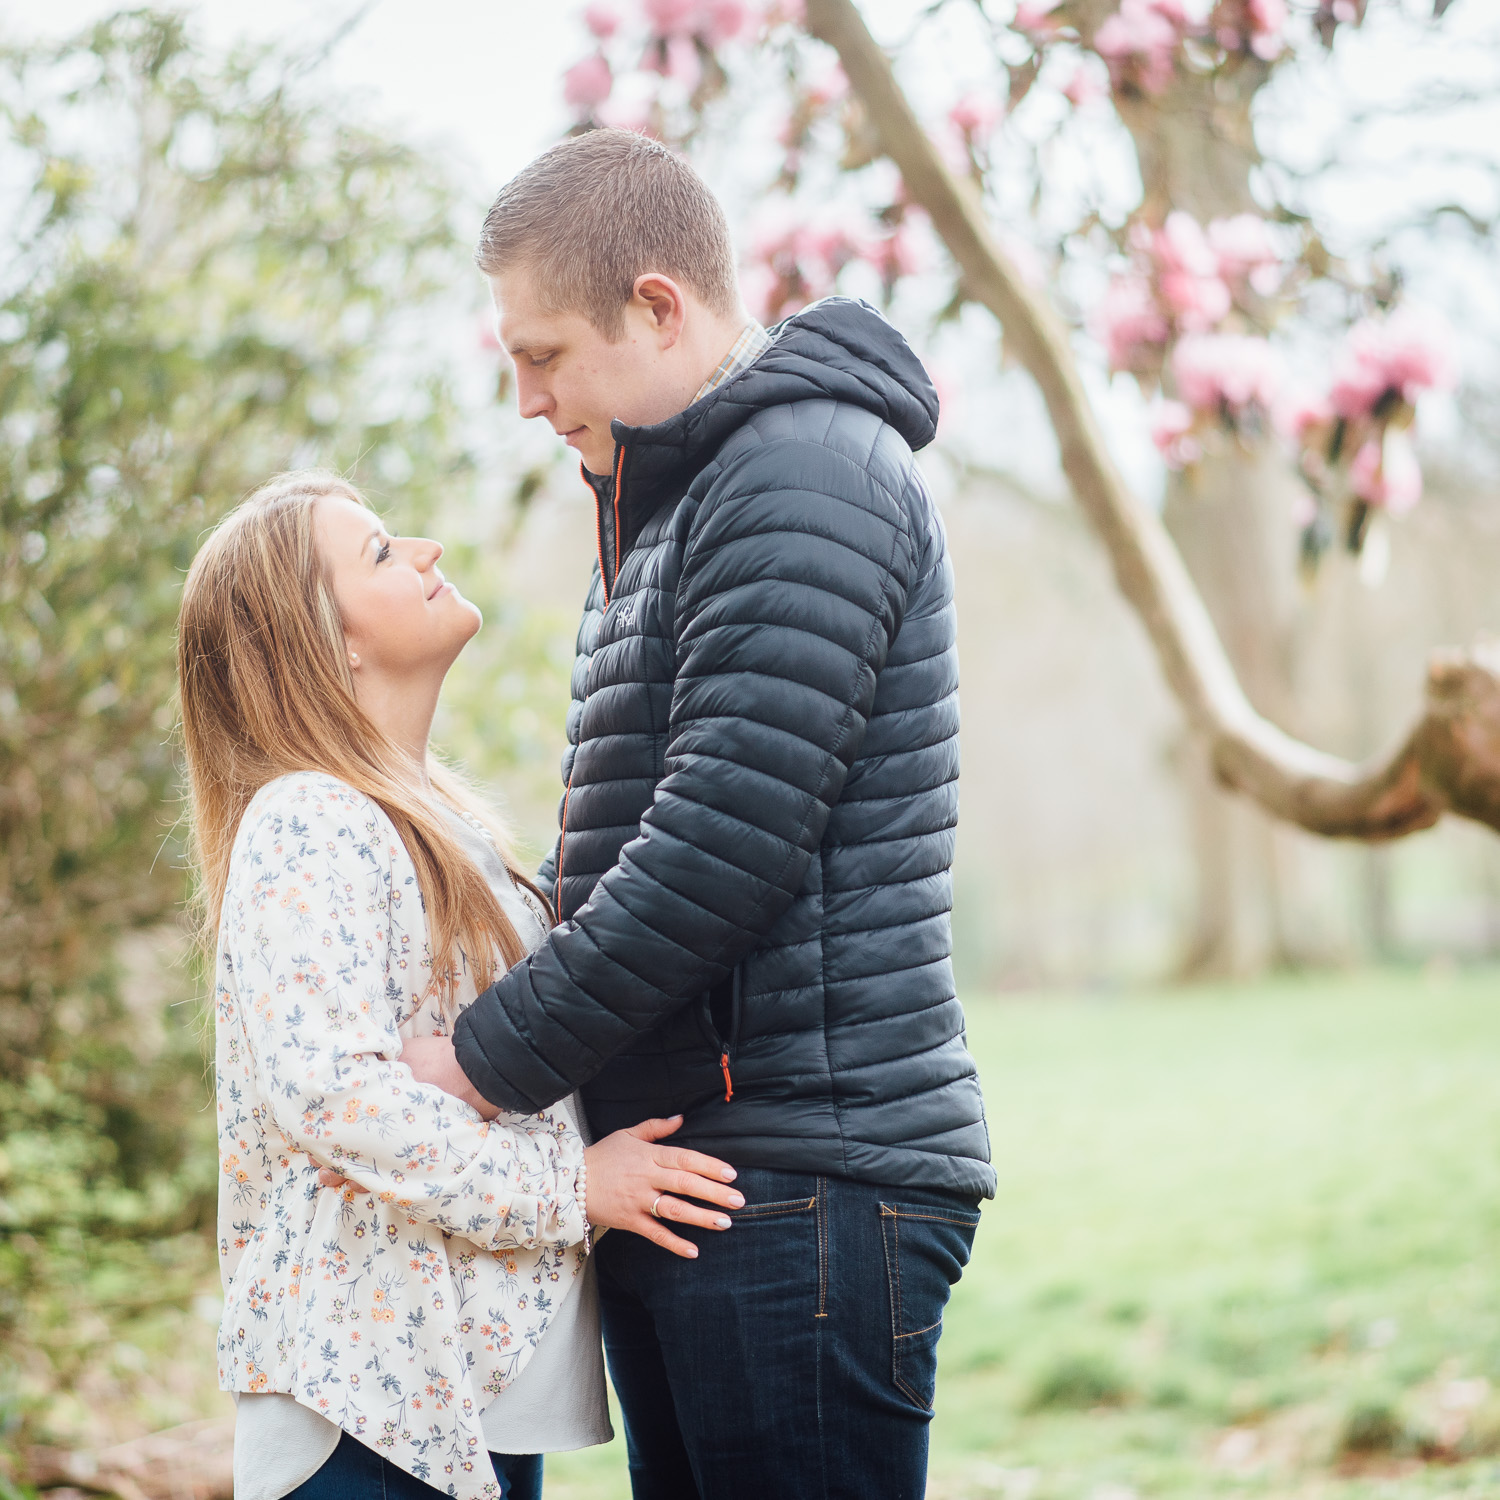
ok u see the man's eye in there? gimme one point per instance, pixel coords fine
(541, 361)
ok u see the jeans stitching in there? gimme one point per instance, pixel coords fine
(904, 1213)
(770, 1210)
(896, 1338)
(890, 1282)
(917, 1333)
(898, 1315)
(822, 1432)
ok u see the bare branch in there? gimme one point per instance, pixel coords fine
(1451, 760)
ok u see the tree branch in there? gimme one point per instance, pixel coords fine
(1450, 761)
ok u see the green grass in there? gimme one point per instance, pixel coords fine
(1245, 1243)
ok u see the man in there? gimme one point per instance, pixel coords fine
(752, 873)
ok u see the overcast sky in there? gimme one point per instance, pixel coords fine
(450, 74)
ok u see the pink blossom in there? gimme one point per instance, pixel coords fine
(1301, 413)
(1228, 373)
(587, 84)
(805, 256)
(1035, 15)
(1083, 86)
(1267, 23)
(724, 20)
(1387, 473)
(601, 21)
(1395, 358)
(1026, 258)
(1242, 244)
(976, 115)
(671, 17)
(1174, 11)
(830, 84)
(1140, 41)
(761, 288)
(1131, 326)
(1171, 431)
(681, 61)
(1188, 273)
(1180, 245)
(898, 254)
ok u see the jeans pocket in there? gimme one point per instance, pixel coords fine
(755, 1213)
(926, 1248)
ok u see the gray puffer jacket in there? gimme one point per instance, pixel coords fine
(753, 874)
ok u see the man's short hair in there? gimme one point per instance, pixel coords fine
(597, 211)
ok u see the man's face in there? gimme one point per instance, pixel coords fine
(569, 373)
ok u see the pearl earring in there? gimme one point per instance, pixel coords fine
(353, 658)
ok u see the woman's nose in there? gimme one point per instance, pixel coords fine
(427, 552)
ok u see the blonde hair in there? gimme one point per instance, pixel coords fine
(267, 689)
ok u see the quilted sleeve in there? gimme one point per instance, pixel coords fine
(794, 579)
(304, 941)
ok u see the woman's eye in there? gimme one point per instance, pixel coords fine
(385, 552)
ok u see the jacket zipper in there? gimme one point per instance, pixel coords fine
(736, 993)
(609, 582)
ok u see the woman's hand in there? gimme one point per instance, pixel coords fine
(629, 1174)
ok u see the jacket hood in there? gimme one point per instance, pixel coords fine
(839, 349)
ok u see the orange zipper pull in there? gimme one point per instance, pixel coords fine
(728, 1081)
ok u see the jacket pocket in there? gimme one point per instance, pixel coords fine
(926, 1249)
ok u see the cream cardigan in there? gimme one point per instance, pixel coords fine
(398, 1308)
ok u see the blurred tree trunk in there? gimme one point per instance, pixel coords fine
(1231, 517)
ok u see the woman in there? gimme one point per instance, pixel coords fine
(433, 1323)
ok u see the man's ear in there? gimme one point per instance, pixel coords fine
(665, 302)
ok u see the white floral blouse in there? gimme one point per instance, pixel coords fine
(400, 1307)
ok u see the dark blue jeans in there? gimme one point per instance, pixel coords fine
(355, 1472)
(797, 1356)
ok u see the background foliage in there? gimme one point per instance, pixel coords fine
(214, 276)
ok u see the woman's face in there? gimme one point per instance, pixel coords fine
(402, 621)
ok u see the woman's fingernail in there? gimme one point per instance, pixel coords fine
(721, 1223)
(736, 1200)
(692, 1252)
(729, 1174)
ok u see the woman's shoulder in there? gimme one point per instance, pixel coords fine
(313, 807)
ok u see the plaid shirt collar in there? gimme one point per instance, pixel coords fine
(743, 352)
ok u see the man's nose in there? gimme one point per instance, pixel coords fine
(532, 400)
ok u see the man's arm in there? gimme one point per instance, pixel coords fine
(791, 592)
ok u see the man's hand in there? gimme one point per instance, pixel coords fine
(431, 1060)
(630, 1177)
